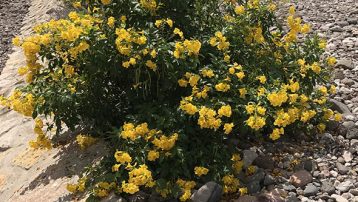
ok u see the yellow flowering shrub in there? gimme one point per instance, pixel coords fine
(168, 89)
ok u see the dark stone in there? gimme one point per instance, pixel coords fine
(301, 178)
(264, 162)
(210, 192)
(247, 198)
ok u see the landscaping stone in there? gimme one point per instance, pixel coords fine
(310, 190)
(301, 178)
(210, 192)
(327, 187)
(249, 157)
(345, 186)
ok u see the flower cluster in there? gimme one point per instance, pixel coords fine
(123, 68)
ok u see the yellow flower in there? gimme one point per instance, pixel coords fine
(228, 127)
(240, 75)
(178, 32)
(151, 65)
(77, 4)
(72, 188)
(321, 127)
(115, 167)
(170, 22)
(207, 73)
(261, 110)
(292, 10)
(242, 92)
(276, 133)
(188, 107)
(222, 87)
(250, 108)
(153, 155)
(338, 117)
(322, 44)
(256, 122)
(305, 28)
(129, 188)
(16, 41)
(277, 99)
(85, 141)
(111, 21)
(262, 79)
(106, 2)
(332, 90)
(199, 171)
(225, 111)
(153, 53)
(316, 68)
(331, 61)
(122, 157)
(182, 83)
(239, 10)
(158, 23)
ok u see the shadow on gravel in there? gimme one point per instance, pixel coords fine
(71, 161)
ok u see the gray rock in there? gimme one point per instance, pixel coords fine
(210, 192)
(338, 74)
(113, 198)
(339, 198)
(339, 106)
(288, 187)
(327, 187)
(345, 186)
(301, 178)
(352, 133)
(269, 180)
(349, 124)
(342, 169)
(327, 139)
(310, 190)
(253, 187)
(249, 157)
(354, 191)
(138, 197)
(348, 82)
(345, 64)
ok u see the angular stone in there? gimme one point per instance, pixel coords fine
(352, 133)
(247, 198)
(210, 192)
(301, 178)
(339, 106)
(345, 186)
(347, 156)
(345, 64)
(310, 190)
(342, 169)
(339, 198)
(264, 162)
(276, 195)
(327, 187)
(113, 198)
(249, 157)
(28, 158)
(138, 197)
